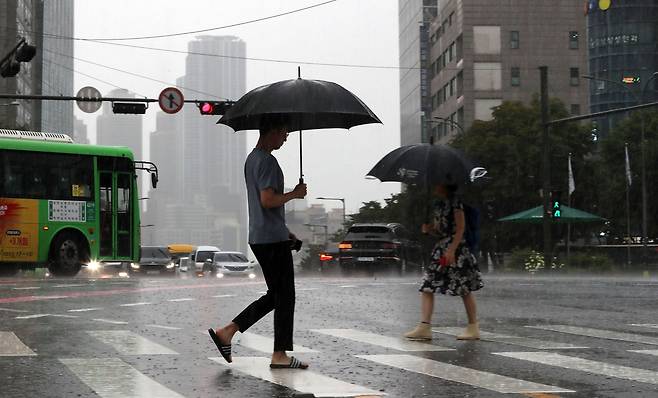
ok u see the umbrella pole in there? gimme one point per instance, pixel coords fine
(301, 159)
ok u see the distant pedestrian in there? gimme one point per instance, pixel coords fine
(271, 242)
(453, 268)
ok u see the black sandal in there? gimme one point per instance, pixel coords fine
(294, 364)
(224, 349)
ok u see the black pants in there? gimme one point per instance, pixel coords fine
(276, 262)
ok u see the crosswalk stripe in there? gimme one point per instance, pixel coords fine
(263, 343)
(347, 286)
(181, 299)
(113, 322)
(134, 304)
(514, 340)
(12, 310)
(27, 288)
(585, 365)
(472, 377)
(645, 325)
(12, 346)
(85, 309)
(32, 316)
(126, 342)
(382, 341)
(599, 333)
(648, 352)
(114, 378)
(164, 327)
(304, 381)
(224, 295)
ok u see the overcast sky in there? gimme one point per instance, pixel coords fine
(346, 31)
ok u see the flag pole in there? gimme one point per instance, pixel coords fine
(628, 206)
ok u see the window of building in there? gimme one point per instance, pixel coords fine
(445, 93)
(514, 41)
(574, 74)
(486, 39)
(452, 50)
(516, 76)
(575, 109)
(573, 40)
(444, 26)
(451, 18)
(484, 108)
(453, 86)
(460, 84)
(460, 48)
(488, 76)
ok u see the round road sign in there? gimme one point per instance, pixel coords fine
(89, 106)
(171, 100)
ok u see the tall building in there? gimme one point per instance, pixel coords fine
(80, 131)
(622, 52)
(415, 17)
(119, 129)
(21, 19)
(485, 52)
(57, 65)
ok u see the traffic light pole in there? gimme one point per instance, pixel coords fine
(90, 99)
(546, 160)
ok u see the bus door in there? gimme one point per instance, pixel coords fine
(116, 207)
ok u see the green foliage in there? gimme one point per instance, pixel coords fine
(516, 261)
(311, 260)
(590, 262)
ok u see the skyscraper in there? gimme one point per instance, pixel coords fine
(118, 129)
(57, 65)
(79, 131)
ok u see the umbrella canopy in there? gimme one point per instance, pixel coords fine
(427, 164)
(307, 104)
(536, 214)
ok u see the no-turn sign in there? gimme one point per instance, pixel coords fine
(171, 100)
(93, 103)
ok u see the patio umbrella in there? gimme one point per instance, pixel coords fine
(306, 104)
(536, 214)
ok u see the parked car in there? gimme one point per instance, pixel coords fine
(200, 255)
(154, 260)
(233, 264)
(376, 247)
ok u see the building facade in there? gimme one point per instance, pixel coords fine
(415, 17)
(623, 54)
(120, 129)
(485, 52)
(57, 65)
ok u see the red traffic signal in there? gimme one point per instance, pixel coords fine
(214, 107)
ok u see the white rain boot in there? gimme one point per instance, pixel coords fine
(472, 332)
(422, 331)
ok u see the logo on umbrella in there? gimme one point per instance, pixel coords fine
(478, 172)
(402, 173)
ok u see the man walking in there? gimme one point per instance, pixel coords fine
(271, 242)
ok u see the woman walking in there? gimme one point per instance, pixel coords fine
(453, 268)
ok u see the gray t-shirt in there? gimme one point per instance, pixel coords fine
(262, 171)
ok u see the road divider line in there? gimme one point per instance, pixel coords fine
(113, 322)
(458, 374)
(164, 327)
(12, 346)
(85, 309)
(599, 333)
(69, 285)
(513, 340)
(585, 365)
(27, 288)
(114, 378)
(135, 304)
(394, 343)
(305, 381)
(126, 342)
(181, 299)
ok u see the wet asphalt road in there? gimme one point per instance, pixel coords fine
(145, 337)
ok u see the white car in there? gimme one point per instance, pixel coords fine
(233, 264)
(199, 257)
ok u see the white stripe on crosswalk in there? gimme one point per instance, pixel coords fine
(12, 310)
(12, 346)
(347, 286)
(599, 333)
(114, 378)
(126, 342)
(585, 365)
(85, 309)
(645, 325)
(514, 340)
(111, 321)
(164, 327)
(27, 288)
(181, 299)
(395, 343)
(648, 352)
(304, 381)
(263, 344)
(224, 295)
(472, 377)
(32, 316)
(135, 304)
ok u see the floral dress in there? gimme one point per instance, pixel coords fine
(462, 277)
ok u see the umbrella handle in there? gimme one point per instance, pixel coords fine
(301, 159)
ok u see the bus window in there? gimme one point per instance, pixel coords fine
(106, 214)
(124, 215)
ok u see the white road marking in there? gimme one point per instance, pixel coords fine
(472, 377)
(110, 321)
(114, 378)
(85, 309)
(135, 304)
(126, 342)
(32, 316)
(648, 352)
(12, 346)
(181, 299)
(645, 325)
(395, 343)
(263, 343)
(12, 310)
(64, 316)
(307, 289)
(347, 286)
(585, 365)
(27, 288)
(514, 340)
(304, 381)
(409, 283)
(224, 295)
(599, 333)
(70, 285)
(164, 327)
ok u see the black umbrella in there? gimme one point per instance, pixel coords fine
(306, 104)
(426, 164)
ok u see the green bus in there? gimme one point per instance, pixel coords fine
(65, 205)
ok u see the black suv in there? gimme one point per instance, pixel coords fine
(379, 247)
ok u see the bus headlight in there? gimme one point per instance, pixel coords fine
(93, 265)
(134, 265)
(170, 266)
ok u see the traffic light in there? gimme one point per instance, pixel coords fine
(131, 108)
(556, 210)
(214, 107)
(11, 63)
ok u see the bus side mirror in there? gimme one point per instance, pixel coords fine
(154, 180)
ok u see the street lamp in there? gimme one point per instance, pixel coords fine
(639, 100)
(341, 200)
(443, 120)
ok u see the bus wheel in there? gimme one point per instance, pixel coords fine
(67, 255)
(9, 269)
